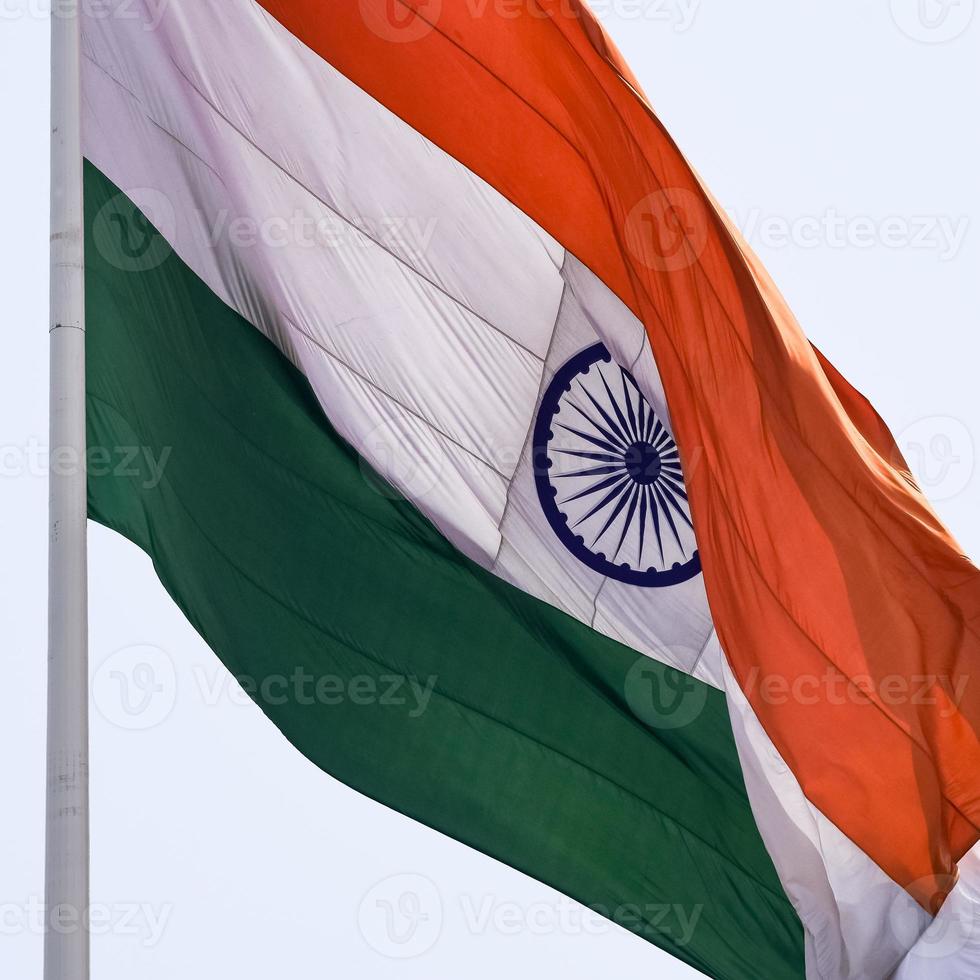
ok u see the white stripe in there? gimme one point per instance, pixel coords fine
(950, 947)
(859, 923)
(428, 349)
(671, 624)
(430, 360)
(367, 329)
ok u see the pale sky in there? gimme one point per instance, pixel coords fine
(842, 138)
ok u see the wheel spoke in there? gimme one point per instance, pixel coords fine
(595, 442)
(628, 521)
(602, 503)
(634, 426)
(668, 516)
(624, 495)
(666, 481)
(605, 433)
(606, 417)
(680, 510)
(623, 424)
(622, 487)
(599, 457)
(596, 488)
(595, 471)
(643, 521)
(655, 514)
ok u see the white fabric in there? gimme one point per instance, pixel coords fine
(950, 947)
(368, 329)
(670, 624)
(858, 922)
(429, 355)
(429, 315)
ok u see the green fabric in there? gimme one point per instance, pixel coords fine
(285, 553)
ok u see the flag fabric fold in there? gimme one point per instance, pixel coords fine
(469, 385)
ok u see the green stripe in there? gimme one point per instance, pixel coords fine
(286, 554)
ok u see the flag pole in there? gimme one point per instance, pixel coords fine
(66, 939)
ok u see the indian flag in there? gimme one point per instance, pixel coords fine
(464, 382)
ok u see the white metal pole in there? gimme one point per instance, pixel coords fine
(66, 941)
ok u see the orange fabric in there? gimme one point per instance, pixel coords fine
(824, 565)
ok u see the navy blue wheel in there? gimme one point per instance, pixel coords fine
(609, 478)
